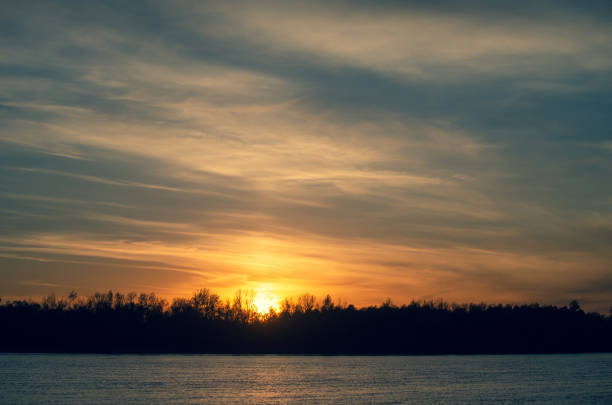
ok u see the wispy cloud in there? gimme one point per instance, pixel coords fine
(423, 43)
(366, 150)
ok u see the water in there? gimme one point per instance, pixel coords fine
(191, 379)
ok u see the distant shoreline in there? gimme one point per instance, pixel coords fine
(109, 323)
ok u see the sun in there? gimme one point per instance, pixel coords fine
(265, 302)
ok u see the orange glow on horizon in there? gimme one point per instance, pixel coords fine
(265, 302)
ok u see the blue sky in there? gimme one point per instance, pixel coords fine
(365, 149)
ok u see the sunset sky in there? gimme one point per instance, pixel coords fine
(367, 149)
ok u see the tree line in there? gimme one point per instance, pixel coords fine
(204, 323)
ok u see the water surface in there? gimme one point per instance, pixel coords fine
(192, 379)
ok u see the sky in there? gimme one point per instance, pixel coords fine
(365, 149)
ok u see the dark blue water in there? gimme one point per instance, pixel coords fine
(174, 379)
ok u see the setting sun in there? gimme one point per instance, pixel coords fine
(265, 302)
(305, 201)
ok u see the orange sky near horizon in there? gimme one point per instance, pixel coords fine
(362, 150)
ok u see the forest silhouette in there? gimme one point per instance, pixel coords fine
(145, 323)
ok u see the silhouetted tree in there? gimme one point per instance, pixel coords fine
(114, 322)
(574, 306)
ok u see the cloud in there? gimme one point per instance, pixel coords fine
(424, 44)
(363, 150)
